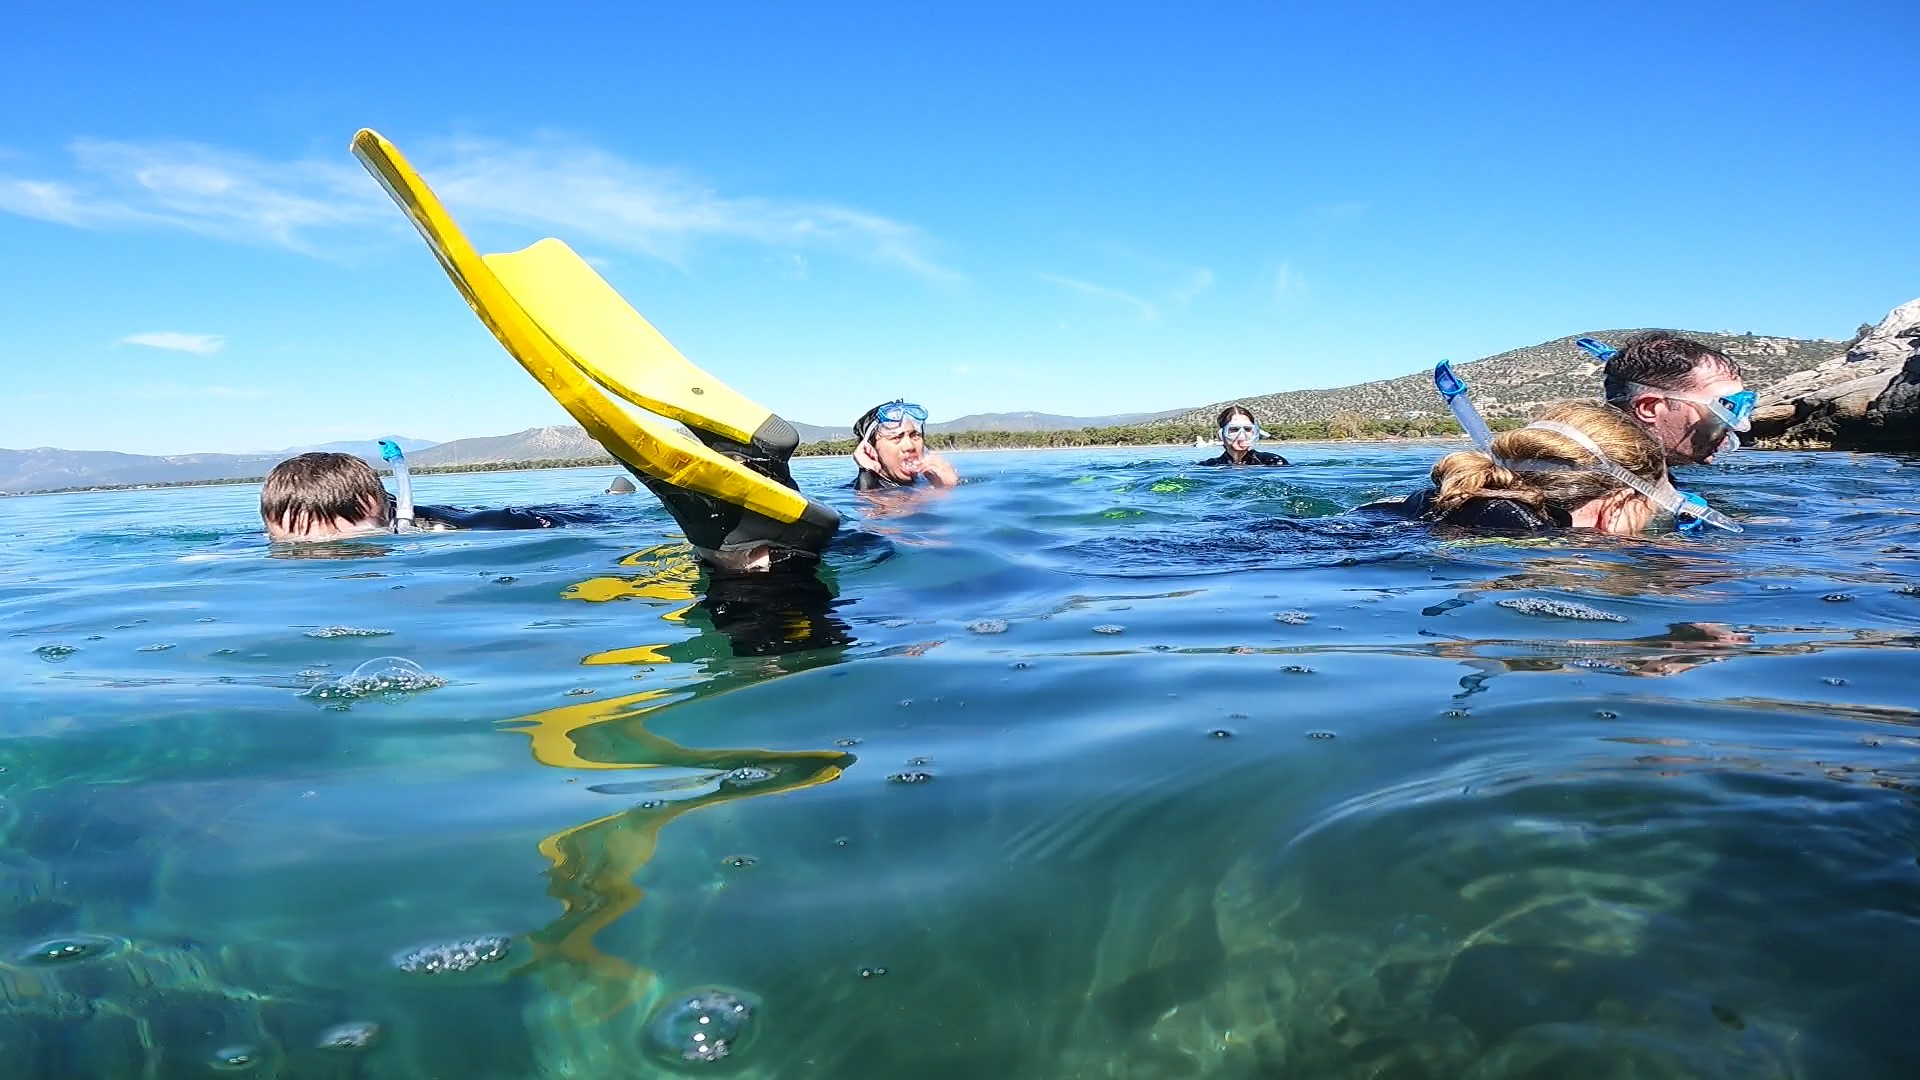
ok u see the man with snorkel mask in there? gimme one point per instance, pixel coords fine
(1238, 432)
(890, 447)
(1689, 397)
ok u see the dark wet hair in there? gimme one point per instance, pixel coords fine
(1662, 359)
(313, 489)
(1230, 411)
(864, 426)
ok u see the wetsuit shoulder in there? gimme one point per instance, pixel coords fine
(868, 480)
(1504, 515)
(1261, 457)
(1221, 460)
(1411, 506)
(506, 517)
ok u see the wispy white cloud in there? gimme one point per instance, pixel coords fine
(173, 340)
(1148, 312)
(1198, 281)
(585, 194)
(1340, 211)
(177, 392)
(1288, 284)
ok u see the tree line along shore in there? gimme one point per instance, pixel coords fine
(1344, 427)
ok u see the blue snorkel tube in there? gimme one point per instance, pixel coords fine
(1599, 350)
(403, 498)
(1453, 391)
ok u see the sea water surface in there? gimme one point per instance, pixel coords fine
(1101, 765)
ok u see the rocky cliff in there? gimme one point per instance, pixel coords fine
(1867, 399)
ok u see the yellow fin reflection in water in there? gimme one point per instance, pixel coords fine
(670, 574)
(592, 865)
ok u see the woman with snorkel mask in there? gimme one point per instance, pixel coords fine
(890, 449)
(1238, 432)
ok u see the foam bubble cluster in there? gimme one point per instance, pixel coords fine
(66, 950)
(352, 1035)
(347, 631)
(701, 1027)
(988, 626)
(455, 956)
(54, 654)
(1559, 609)
(383, 675)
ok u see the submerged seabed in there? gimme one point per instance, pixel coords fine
(1102, 766)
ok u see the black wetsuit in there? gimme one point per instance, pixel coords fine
(1254, 457)
(718, 525)
(506, 517)
(1501, 515)
(868, 480)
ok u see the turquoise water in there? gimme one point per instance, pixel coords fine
(1101, 765)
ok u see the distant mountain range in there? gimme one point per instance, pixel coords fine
(1502, 385)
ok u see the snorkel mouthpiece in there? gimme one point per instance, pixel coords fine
(403, 498)
(1453, 391)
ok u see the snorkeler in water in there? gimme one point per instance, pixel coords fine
(326, 496)
(890, 449)
(1689, 397)
(1238, 432)
(1581, 465)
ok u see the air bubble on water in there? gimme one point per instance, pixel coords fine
(1320, 735)
(455, 956)
(701, 1026)
(846, 742)
(70, 949)
(580, 691)
(988, 626)
(1837, 597)
(1559, 609)
(910, 777)
(1297, 669)
(346, 631)
(54, 654)
(740, 862)
(1109, 628)
(352, 1035)
(872, 972)
(1292, 618)
(235, 1058)
(746, 775)
(158, 646)
(1220, 733)
(1908, 590)
(379, 676)
(1834, 680)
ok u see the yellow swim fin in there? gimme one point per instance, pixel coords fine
(574, 334)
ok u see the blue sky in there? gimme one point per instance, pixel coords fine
(1072, 208)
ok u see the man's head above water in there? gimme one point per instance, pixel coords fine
(890, 443)
(1678, 390)
(321, 496)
